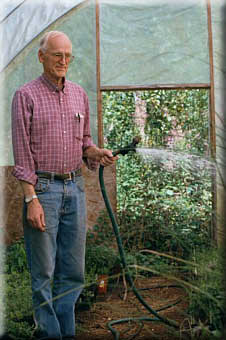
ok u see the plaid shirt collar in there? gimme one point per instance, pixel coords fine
(53, 87)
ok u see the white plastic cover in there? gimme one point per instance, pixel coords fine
(7, 7)
(24, 20)
(153, 42)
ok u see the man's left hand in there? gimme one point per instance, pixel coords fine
(107, 157)
(103, 156)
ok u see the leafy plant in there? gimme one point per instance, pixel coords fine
(102, 232)
(206, 302)
(166, 205)
(17, 293)
(15, 257)
(162, 205)
(100, 259)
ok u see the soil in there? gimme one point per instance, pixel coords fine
(115, 304)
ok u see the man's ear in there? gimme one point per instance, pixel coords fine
(41, 56)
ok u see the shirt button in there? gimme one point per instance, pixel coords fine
(65, 148)
(64, 131)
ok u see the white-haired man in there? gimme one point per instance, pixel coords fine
(51, 138)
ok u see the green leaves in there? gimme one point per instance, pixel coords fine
(18, 300)
(16, 258)
(168, 207)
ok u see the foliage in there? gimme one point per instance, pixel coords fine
(170, 109)
(19, 319)
(166, 110)
(206, 302)
(16, 258)
(18, 302)
(162, 205)
(118, 108)
(101, 233)
(166, 211)
(100, 259)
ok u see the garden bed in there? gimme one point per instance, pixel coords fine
(92, 324)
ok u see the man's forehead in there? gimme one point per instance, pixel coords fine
(59, 40)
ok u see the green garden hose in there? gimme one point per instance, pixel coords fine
(157, 317)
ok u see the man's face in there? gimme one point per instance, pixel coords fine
(56, 59)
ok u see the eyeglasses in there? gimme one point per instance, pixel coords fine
(59, 56)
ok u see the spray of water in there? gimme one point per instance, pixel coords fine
(172, 159)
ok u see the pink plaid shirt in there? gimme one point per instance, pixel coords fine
(50, 128)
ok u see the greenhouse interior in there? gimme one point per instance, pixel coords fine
(154, 74)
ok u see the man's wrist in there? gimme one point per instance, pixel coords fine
(28, 199)
(92, 152)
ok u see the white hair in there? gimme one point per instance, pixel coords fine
(45, 38)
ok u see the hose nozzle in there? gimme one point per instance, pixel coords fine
(128, 148)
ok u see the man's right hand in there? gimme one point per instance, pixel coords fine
(35, 215)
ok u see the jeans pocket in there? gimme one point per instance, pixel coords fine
(42, 185)
(80, 183)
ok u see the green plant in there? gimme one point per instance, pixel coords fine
(18, 312)
(162, 205)
(100, 259)
(15, 258)
(118, 107)
(207, 298)
(102, 232)
(167, 211)
(18, 305)
(187, 109)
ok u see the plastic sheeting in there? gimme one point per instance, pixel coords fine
(153, 42)
(29, 18)
(7, 7)
(79, 24)
(81, 28)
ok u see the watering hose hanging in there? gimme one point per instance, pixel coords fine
(157, 317)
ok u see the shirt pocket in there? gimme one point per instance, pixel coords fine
(78, 123)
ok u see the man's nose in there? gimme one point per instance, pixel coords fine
(63, 59)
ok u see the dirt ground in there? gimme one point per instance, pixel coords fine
(115, 305)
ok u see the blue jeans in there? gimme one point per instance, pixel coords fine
(56, 257)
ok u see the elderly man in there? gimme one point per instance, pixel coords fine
(51, 138)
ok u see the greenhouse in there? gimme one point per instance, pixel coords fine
(152, 70)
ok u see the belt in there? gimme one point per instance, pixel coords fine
(52, 175)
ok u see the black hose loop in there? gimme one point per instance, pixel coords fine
(167, 321)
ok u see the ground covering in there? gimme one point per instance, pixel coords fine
(112, 306)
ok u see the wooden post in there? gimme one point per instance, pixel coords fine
(212, 126)
(99, 95)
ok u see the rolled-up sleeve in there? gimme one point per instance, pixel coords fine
(24, 168)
